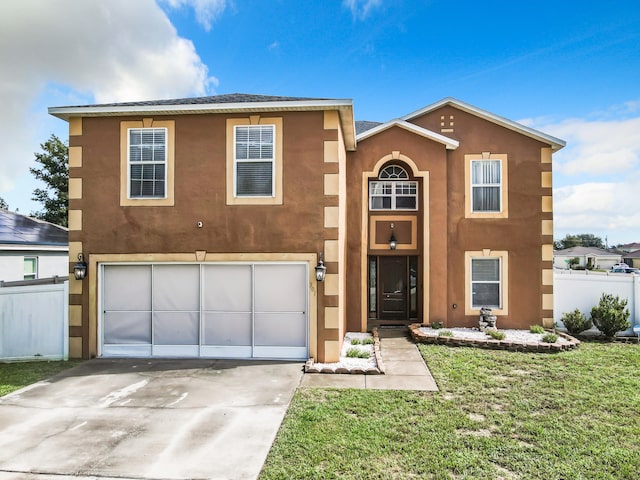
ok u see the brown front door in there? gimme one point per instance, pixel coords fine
(392, 293)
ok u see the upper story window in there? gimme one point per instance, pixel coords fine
(254, 160)
(147, 162)
(393, 190)
(486, 186)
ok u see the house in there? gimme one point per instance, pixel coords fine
(629, 247)
(203, 223)
(632, 259)
(588, 257)
(31, 248)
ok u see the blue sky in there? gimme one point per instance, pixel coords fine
(570, 69)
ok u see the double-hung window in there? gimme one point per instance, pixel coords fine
(393, 190)
(486, 288)
(486, 186)
(30, 268)
(254, 160)
(147, 162)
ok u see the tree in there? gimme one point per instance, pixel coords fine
(54, 172)
(3, 204)
(579, 240)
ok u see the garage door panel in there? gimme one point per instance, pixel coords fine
(282, 329)
(227, 329)
(280, 288)
(176, 287)
(127, 327)
(176, 328)
(127, 287)
(227, 288)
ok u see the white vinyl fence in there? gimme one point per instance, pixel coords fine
(582, 290)
(34, 322)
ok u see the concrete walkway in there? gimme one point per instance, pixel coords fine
(404, 368)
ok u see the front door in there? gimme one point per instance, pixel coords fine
(393, 288)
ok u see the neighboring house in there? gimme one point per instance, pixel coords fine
(588, 257)
(202, 221)
(632, 259)
(31, 248)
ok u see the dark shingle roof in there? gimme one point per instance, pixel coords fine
(364, 125)
(20, 229)
(225, 98)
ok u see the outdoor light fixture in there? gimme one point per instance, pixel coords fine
(80, 269)
(320, 270)
(393, 243)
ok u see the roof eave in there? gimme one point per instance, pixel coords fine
(554, 143)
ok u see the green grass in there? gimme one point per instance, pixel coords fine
(573, 415)
(14, 376)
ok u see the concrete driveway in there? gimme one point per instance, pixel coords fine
(147, 419)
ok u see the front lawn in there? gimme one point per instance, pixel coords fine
(572, 415)
(14, 376)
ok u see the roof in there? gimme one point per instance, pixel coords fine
(364, 125)
(228, 103)
(634, 254)
(555, 143)
(449, 143)
(22, 230)
(586, 251)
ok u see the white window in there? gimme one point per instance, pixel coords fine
(486, 288)
(147, 162)
(486, 186)
(254, 160)
(393, 190)
(30, 268)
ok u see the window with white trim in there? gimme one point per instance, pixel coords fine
(147, 162)
(486, 284)
(486, 186)
(30, 268)
(254, 160)
(393, 190)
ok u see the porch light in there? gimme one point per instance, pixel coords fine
(321, 270)
(80, 269)
(393, 243)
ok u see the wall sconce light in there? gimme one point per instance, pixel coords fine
(321, 270)
(80, 269)
(393, 243)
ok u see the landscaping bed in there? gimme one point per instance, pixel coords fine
(515, 340)
(368, 363)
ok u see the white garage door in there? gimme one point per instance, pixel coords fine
(254, 310)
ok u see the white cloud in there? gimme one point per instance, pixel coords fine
(207, 11)
(360, 9)
(597, 175)
(97, 51)
(597, 147)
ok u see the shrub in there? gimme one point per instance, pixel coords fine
(610, 316)
(357, 353)
(355, 341)
(496, 335)
(368, 341)
(445, 333)
(550, 338)
(576, 322)
(436, 325)
(536, 329)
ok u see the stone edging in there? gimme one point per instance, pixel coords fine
(310, 366)
(511, 345)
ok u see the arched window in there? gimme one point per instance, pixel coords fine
(393, 190)
(393, 172)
